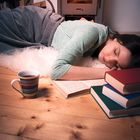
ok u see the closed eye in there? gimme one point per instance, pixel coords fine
(117, 51)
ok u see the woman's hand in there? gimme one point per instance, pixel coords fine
(82, 18)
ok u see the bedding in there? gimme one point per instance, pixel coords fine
(27, 26)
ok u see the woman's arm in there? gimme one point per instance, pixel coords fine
(85, 39)
(82, 73)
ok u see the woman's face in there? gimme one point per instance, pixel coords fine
(115, 55)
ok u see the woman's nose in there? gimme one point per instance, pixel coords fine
(110, 61)
(109, 58)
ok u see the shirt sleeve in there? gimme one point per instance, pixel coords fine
(83, 39)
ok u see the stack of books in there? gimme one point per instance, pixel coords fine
(120, 96)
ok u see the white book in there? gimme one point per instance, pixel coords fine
(71, 88)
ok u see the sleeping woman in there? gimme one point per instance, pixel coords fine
(31, 26)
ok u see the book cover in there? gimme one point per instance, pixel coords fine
(111, 108)
(125, 81)
(124, 100)
(72, 88)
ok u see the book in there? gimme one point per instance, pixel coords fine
(111, 108)
(125, 81)
(78, 87)
(124, 100)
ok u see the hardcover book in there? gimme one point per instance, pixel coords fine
(124, 100)
(111, 108)
(125, 81)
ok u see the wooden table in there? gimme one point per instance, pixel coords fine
(52, 117)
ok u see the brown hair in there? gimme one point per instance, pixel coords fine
(131, 42)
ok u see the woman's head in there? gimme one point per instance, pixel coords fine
(132, 43)
(121, 51)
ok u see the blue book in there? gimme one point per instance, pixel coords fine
(126, 101)
(111, 108)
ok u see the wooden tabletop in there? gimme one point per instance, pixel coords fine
(52, 117)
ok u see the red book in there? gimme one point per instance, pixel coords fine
(125, 81)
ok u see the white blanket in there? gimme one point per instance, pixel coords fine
(40, 58)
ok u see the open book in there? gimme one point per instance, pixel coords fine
(72, 88)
